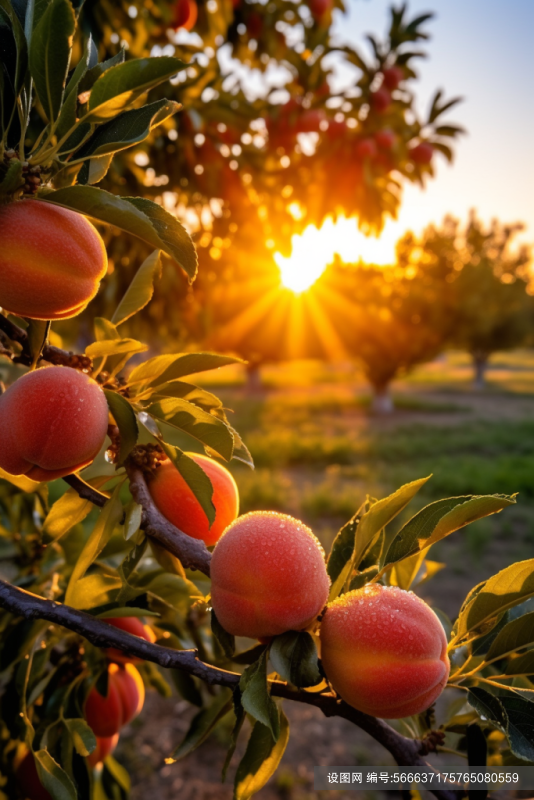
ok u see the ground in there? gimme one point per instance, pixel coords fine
(318, 452)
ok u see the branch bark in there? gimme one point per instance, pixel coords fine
(406, 752)
(50, 353)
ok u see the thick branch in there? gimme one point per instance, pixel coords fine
(50, 353)
(405, 751)
(193, 553)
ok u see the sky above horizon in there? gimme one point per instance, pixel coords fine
(481, 50)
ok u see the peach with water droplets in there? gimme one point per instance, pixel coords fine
(268, 576)
(53, 421)
(384, 651)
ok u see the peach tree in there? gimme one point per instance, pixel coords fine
(104, 586)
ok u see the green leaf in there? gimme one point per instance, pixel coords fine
(515, 635)
(520, 727)
(20, 41)
(294, 657)
(95, 169)
(94, 73)
(162, 369)
(176, 592)
(127, 129)
(343, 546)
(119, 773)
(255, 696)
(50, 51)
(186, 687)
(67, 116)
(261, 759)
(488, 706)
(508, 588)
(203, 723)
(109, 517)
(13, 179)
(37, 331)
(381, 513)
(118, 88)
(66, 512)
(202, 426)
(522, 665)
(225, 639)
(140, 290)
(95, 590)
(195, 477)
(126, 421)
(112, 347)
(136, 216)
(439, 519)
(82, 736)
(240, 717)
(54, 779)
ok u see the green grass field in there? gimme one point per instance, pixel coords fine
(318, 451)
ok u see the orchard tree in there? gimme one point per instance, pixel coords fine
(494, 307)
(390, 319)
(89, 622)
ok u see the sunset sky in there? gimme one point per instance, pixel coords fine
(482, 50)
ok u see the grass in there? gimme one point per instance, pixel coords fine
(318, 451)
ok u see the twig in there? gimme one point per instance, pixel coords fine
(193, 553)
(52, 354)
(85, 491)
(406, 752)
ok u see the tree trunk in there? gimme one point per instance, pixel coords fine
(254, 384)
(480, 362)
(382, 402)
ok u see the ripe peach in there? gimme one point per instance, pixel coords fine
(384, 651)
(51, 261)
(319, 8)
(28, 780)
(124, 700)
(385, 138)
(176, 500)
(185, 15)
(380, 100)
(392, 77)
(422, 153)
(366, 148)
(105, 745)
(131, 625)
(53, 421)
(337, 130)
(268, 576)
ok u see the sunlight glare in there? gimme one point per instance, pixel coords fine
(314, 249)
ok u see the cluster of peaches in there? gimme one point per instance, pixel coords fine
(382, 649)
(294, 119)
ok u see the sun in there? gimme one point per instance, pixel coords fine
(314, 249)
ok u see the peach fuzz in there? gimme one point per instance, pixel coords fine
(131, 625)
(53, 421)
(105, 745)
(268, 576)
(124, 700)
(384, 651)
(178, 504)
(51, 261)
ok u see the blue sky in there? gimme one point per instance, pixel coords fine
(482, 50)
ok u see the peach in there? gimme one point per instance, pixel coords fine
(384, 651)
(51, 260)
(185, 15)
(380, 100)
(422, 153)
(131, 625)
(366, 148)
(124, 700)
(28, 780)
(178, 504)
(53, 421)
(105, 745)
(268, 576)
(393, 76)
(385, 138)
(320, 8)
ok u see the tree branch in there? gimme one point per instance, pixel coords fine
(50, 353)
(86, 491)
(406, 752)
(193, 553)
